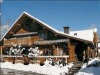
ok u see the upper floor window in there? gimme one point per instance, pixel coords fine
(43, 35)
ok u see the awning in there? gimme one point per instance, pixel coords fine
(44, 42)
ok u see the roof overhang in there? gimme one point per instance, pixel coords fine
(48, 42)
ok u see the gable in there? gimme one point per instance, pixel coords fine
(36, 25)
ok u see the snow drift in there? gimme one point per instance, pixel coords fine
(91, 69)
(46, 69)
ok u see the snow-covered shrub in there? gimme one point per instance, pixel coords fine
(33, 51)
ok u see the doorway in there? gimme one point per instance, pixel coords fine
(79, 49)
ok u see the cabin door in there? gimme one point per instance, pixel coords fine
(79, 52)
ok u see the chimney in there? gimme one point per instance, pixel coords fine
(66, 30)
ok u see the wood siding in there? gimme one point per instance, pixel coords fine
(21, 31)
(72, 57)
(22, 41)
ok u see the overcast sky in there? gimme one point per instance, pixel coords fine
(78, 15)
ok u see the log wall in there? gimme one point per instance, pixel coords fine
(72, 57)
(24, 40)
(0, 50)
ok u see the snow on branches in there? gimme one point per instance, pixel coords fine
(18, 50)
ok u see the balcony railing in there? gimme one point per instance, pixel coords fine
(22, 41)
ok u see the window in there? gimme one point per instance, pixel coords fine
(43, 35)
(75, 34)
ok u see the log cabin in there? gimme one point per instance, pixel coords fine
(29, 31)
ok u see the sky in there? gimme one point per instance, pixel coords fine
(78, 15)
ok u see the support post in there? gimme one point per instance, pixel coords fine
(88, 52)
(95, 40)
(93, 53)
(72, 57)
(0, 50)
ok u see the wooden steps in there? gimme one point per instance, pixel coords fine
(76, 67)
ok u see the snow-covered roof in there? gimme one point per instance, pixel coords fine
(84, 34)
(60, 32)
(47, 26)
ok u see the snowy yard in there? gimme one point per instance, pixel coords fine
(93, 68)
(45, 69)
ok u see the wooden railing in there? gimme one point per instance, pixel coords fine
(23, 41)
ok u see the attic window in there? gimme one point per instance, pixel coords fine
(75, 34)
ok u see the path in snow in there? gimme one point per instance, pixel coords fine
(36, 68)
(16, 72)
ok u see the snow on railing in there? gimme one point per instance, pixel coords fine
(50, 41)
(38, 56)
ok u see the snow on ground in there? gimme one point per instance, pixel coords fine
(92, 70)
(46, 69)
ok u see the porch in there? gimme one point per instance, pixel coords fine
(57, 49)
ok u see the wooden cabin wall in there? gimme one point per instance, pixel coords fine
(72, 57)
(1, 50)
(89, 52)
(95, 40)
(93, 53)
(32, 26)
(22, 41)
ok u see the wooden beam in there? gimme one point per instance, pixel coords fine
(24, 15)
(93, 53)
(18, 24)
(88, 51)
(72, 57)
(11, 32)
(95, 39)
(1, 51)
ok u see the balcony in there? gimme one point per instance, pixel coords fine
(22, 41)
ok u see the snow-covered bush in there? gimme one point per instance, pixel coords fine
(16, 50)
(33, 51)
